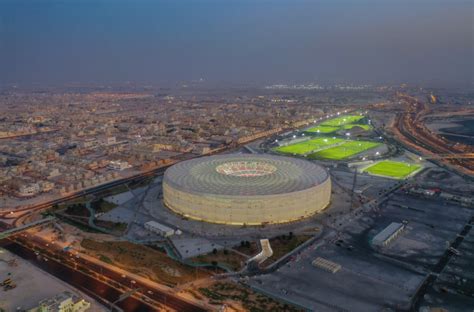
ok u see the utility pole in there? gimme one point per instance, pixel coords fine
(354, 182)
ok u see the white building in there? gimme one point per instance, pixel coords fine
(159, 228)
(119, 165)
(62, 302)
(46, 186)
(27, 190)
(326, 265)
(388, 234)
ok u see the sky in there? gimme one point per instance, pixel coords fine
(165, 42)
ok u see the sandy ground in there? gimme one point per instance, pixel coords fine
(33, 285)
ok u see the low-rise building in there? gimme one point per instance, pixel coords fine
(326, 265)
(119, 165)
(62, 302)
(159, 228)
(28, 190)
(388, 234)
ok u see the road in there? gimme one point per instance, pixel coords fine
(410, 129)
(37, 208)
(103, 282)
(439, 267)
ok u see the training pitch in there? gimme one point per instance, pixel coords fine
(339, 123)
(393, 169)
(344, 150)
(303, 148)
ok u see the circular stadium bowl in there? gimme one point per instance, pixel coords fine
(239, 189)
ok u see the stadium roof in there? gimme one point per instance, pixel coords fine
(245, 175)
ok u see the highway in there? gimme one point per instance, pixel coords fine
(92, 287)
(44, 205)
(411, 131)
(98, 281)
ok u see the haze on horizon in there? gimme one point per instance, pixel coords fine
(55, 42)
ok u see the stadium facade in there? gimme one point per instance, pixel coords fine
(240, 189)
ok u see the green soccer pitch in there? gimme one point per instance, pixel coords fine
(343, 122)
(345, 150)
(393, 169)
(308, 146)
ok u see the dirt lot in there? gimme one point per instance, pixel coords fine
(228, 258)
(241, 298)
(144, 261)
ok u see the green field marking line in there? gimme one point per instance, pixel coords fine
(393, 169)
(346, 150)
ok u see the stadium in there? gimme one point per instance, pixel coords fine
(239, 189)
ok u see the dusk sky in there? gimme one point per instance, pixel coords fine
(236, 41)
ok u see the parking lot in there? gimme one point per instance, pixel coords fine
(371, 278)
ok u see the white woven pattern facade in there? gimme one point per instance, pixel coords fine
(246, 189)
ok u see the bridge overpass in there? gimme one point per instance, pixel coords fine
(451, 156)
(27, 226)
